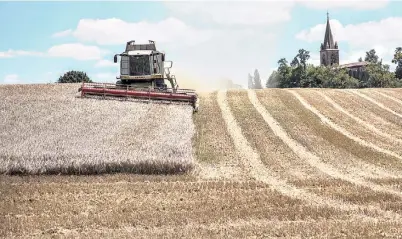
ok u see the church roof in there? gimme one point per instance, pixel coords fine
(354, 64)
(328, 38)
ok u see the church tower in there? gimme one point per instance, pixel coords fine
(329, 53)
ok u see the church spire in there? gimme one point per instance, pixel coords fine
(329, 52)
(328, 38)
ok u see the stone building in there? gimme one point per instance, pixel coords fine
(329, 52)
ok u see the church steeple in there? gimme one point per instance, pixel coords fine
(328, 38)
(329, 53)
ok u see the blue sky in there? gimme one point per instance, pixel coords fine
(208, 41)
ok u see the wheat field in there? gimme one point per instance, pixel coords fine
(47, 130)
(317, 163)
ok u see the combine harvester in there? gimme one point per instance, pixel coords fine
(142, 76)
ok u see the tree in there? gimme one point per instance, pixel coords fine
(315, 76)
(299, 64)
(74, 77)
(250, 82)
(273, 80)
(379, 76)
(257, 80)
(371, 56)
(301, 74)
(398, 61)
(284, 73)
(297, 76)
(360, 59)
(283, 63)
(295, 62)
(303, 56)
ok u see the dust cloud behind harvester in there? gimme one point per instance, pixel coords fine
(203, 83)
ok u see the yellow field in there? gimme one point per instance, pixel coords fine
(267, 163)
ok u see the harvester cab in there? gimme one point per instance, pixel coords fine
(143, 74)
(141, 65)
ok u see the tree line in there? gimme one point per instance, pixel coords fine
(298, 73)
(254, 82)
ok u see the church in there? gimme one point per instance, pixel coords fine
(329, 52)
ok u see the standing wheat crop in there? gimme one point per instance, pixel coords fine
(45, 129)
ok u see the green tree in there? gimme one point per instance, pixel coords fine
(360, 59)
(344, 79)
(295, 62)
(299, 63)
(297, 76)
(315, 76)
(398, 61)
(74, 77)
(337, 78)
(284, 73)
(273, 80)
(257, 80)
(371, 56)
(301, 74)
(303, 57)
(379, 75)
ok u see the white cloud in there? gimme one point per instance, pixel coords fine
(205, 54)
(116, 31)
(352, 56)
(13, 53)
(76, 51)
(105, 63)
(350, 4)
(385, 32)
(383, 36)
(62, 33)
(243, 13)
(266, 12)
(208, 63)
(11, 79)
(383, 53)
(207, 41)
(314, 59)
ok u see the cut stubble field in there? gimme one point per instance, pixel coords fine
(267, 163)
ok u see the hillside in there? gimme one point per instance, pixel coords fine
(272, 162)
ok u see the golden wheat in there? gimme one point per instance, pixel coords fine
(45, 129)
(234, 138)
